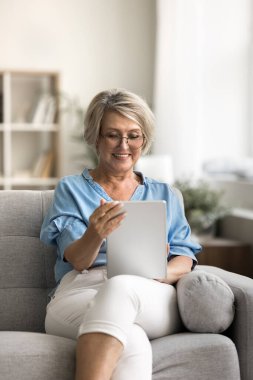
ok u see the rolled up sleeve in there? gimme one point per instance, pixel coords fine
(179, 234)
(69, 231)
(63, 223)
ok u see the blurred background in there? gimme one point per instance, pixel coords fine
(192, 60)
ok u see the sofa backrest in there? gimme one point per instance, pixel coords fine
(26, 265)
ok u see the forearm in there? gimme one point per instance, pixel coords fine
(177, 267)
(82, 252)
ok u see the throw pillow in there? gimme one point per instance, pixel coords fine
(206, 302)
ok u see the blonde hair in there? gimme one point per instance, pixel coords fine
(125, 103)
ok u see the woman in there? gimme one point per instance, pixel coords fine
(113, 319)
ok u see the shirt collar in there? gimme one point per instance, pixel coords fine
(87, 176)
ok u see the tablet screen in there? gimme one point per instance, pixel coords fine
(139, 245)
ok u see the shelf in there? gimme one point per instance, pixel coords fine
(1, 100)
(33, 127)
(28, 181)
(29, 129)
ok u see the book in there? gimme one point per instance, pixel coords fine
(44, 165)
(45, 110)
(48, 165)
(50, 111)
(40, 110)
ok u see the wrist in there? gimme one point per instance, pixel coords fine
(93, 238)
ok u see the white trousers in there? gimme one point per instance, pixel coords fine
(130, 308)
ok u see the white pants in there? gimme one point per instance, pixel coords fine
(130, 308)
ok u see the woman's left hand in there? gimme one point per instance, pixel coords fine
(177, 267)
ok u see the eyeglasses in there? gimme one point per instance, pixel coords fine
(134, 140)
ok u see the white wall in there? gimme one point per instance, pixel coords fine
(203, 81)
(95, 44)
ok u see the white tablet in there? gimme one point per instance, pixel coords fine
(139, 245)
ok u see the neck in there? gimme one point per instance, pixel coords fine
(119, 186)
(101, 175)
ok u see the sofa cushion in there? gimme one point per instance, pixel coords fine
(195, 357)
(205, 301)
(26, 264)
(23, 309)
(30, 356)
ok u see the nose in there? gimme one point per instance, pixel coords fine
(124, 140)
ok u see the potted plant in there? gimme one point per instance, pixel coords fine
(72, 114)
(202, 205)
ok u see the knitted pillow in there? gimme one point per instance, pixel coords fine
(206, 302)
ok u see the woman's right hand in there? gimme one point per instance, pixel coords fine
(106, 218)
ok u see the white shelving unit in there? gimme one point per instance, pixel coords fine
(29, 129)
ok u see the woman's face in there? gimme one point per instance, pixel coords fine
(117, 154)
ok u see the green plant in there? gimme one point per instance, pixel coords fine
(202, 205)
(73, 114)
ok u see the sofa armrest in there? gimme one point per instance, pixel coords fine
(241, 330)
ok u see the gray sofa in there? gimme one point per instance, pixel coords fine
(27, 353)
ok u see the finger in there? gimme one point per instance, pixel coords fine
(104, 228)
(105, 213)
(114, 223)
(113, 213)
(102, 210)
(111, 219)
(162, 280)
(102, 201)
(107, 206)
(105, 223)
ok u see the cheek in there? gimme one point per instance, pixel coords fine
(136, 155)
(102, 151)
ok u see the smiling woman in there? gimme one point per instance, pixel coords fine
(113, 318)
(119, 148)
(123, 103)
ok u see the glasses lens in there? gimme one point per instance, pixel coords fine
(134, 141)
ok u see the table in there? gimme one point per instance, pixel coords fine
(227, 254)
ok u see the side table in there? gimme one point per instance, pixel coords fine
(227, 254)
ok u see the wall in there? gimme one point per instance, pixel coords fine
(203, 81)
(95, 44)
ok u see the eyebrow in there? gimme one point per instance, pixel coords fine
(131, 130)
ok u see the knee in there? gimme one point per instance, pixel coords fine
(121, 283)
(137, 342)
(119, 290)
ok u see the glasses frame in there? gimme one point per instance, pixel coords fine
(127, 138)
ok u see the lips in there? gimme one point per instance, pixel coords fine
(121, 155)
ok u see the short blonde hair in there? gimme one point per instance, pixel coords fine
(125, 103)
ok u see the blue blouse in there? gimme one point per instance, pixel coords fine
(77, 196)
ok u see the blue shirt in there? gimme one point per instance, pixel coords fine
(77, 196)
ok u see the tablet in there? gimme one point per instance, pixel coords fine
(139, 245)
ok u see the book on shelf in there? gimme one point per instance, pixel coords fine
(1, 109)
(44, 165)
(45, 110)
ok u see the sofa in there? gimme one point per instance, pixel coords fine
(27, 276)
